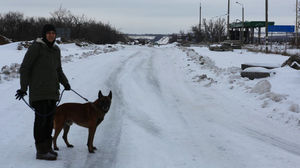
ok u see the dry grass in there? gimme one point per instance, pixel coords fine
(262, 50)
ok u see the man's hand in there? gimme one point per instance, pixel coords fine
(20, 94)
(67, 86)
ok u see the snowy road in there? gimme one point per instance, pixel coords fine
(159, 118)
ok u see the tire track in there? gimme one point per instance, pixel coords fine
(111, 133)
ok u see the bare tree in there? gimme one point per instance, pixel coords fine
(214, 31)
(11, 24)
(62, 16)
(16, 27)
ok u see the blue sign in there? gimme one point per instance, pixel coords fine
(281, 28)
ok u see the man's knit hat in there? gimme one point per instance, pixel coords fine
(47, 28)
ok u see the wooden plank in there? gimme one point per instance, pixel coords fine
(255, 75)
(244, 66)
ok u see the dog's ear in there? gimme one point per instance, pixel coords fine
(100, 94)
(110, 95)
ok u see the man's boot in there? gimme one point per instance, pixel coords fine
(49, 147)
(42, 152)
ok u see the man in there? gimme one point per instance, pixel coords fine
(41, 70)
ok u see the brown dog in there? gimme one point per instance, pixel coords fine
(88, 115)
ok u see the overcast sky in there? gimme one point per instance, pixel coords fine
(156, 16)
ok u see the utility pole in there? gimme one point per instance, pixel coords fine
(200, 18)
(243, 19)
(228, 18)
(297, 25)
(267, 40)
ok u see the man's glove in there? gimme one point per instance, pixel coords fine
(67, 86)
(20, 94)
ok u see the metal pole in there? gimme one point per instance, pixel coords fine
(228, 18)
(267, 40)
(200, 18)
(243, 25)
(242, 29)
(297, 27)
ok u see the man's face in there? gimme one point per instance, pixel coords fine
(50, 36)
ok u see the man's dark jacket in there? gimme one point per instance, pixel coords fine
(41, 70)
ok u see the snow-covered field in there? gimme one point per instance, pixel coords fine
(172, 107)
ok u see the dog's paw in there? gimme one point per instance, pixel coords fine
(91, 151)
(56, 148)
(94, 148)
(70, 146)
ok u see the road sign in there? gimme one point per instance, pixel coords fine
(282, 28)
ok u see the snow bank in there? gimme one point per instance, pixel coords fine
(261, 87)
(278, 93)
(10, 72)
(13, 53)
(163, 40)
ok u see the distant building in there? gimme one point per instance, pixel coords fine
(246, 30)
(64, 33)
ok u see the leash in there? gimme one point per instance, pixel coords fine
(46, 115)
(80, 95)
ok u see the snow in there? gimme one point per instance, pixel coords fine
(215, 45)
(164, 40)
(141, 37)
(172, 107)
(261, 87)
(257, 69)
(238, 57)
(10, 54)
